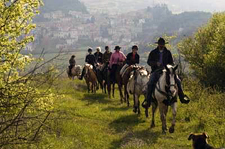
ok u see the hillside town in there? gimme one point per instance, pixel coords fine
(74, 29)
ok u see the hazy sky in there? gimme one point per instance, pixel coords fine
(174, 5)
(195, 5)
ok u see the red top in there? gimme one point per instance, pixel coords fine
(133, 56)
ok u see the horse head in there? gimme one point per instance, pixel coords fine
(170, 79)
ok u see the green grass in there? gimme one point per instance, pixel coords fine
(93, 121)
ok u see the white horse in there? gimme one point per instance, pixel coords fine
(165, 94)
(75, 71)
(137, 85)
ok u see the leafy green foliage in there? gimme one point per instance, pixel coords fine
(24, 103)
(205, 51)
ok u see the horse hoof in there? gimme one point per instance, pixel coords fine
(152, 125)
(164, 132)
(171, 130)
(139, 112)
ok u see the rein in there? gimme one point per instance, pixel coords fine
(167, 94)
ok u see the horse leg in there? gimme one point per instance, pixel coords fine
(126, 97)
(113, 90)
(105, 87)
(135, 103)
(121, 93)
(109, 89)
(87, 85)
(154, 107)
(92, 85)
(139, 110)
(162, 109)
(174, 111)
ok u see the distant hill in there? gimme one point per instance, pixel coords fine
(63, 5)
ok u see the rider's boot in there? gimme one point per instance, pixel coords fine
(148, 100)
(183, 98)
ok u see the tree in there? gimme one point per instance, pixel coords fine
(205, 51)
(25, 99)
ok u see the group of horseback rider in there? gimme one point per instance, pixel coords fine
(157, 60)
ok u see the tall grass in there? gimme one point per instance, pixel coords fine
(83, 120)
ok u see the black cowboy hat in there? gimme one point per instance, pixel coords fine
(161, 41)
(89, 49)
(106, 47)
(73, 56)
(135, 47)
(117, 47)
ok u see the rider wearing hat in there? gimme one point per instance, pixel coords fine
(158, 59)
(132, 59)
(106, 57)
(90, 59)
(116, 59)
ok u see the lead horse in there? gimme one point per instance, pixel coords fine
(165, 95)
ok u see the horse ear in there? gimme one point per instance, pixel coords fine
(205, 135)
(167, 69)
(175, 68)
(191, 136)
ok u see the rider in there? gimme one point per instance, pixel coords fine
(98, 55)
(90, 59)
(158, 59)
(132, 59)
(72, 63)
(106, 57)
(116, 59)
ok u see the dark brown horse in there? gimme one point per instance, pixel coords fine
(118, 81)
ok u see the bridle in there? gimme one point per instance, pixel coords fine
(167, 87)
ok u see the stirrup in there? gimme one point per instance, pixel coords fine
(185, 101)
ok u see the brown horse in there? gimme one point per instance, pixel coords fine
(117, 80)
(90, 78)
(125, 78)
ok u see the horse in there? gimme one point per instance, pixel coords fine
(102, 76)
(75, 71)
(90, 78)
(164, 95)
(125, 78)
(137, 85)
(117, 80)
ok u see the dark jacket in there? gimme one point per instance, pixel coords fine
(130, 60)
(90, 59)
(72, 62)
(106, 57)
(154, 56)
(98, 57)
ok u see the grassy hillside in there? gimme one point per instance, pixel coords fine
(94, 121)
